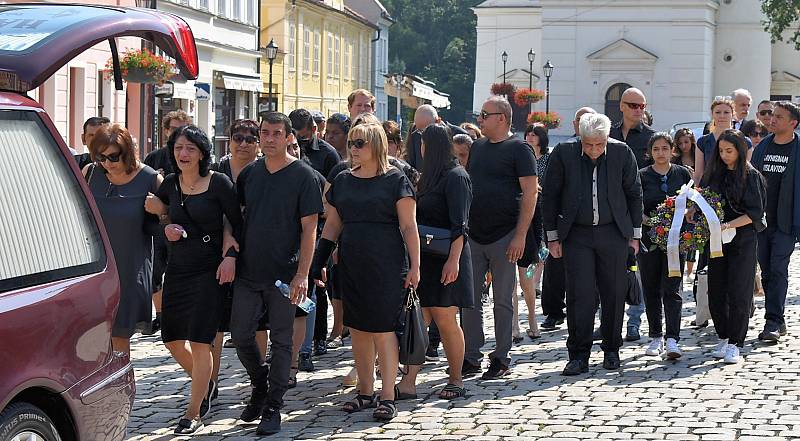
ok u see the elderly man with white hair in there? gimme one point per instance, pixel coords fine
(741, 101)
(592, 215)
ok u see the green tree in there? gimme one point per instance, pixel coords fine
(782, 15)
(436, 40)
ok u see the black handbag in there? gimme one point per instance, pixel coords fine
(435, 241)
(634, 295)
(414, 340)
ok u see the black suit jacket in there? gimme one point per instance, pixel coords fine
(564, 180)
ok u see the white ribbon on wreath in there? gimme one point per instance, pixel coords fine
(687, 192)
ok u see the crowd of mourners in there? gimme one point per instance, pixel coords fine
(307, 212)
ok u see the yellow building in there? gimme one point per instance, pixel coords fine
(324, 54)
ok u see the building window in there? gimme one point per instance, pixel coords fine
(290, 54)
(348, 59)
(330, 55)
(252, 11)
(337, 57)
(362, 61)
(202, 4)
(221, 8)
(306, 49)
(317, 50)
(237, 10)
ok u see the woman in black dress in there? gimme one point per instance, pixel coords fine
(661, 292)
(198, 200)
(443, 201)
(371, 214)
(731, 277)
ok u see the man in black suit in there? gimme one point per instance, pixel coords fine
(593, 214)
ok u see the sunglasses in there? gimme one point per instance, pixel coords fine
(249, 139)
(635, 106)
(357, 143)
(765, 112)
(484, 114)
(763, 134)
(114, 157)
(664, 187)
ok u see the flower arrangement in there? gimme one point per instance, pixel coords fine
(694, 236)
(551, 120)
(506, 89)
(523, 97)
(143, 66)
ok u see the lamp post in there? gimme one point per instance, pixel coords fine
(548, 72)
(504, 56)
(272, 52)
(398, 79)
(531, 57)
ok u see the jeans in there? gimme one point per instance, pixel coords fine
(775, 248)
(311, 320)
(635, 315)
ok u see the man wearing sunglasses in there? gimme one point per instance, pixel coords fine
(764, 113)
(321, 154)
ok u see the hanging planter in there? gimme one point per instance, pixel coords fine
(551, 120)
(505, 89)
(143, 66)
(524, 97)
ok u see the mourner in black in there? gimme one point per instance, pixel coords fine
(320, 154)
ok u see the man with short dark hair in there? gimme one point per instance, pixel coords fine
(90, 127)
(776, 158)
(321, 154)
(319, 120)
(281, 202)
(764, 113)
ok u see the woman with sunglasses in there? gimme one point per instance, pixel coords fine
(120, 184)
(722, 111)
(371, 214)
(755, 130)
(661, 292)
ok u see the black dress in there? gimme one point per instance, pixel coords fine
(372, 256)
(192, 304)
(446, 205)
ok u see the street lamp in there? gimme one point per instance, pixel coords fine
(548, 72)
(272, 52)
(504, 56)
(531, 57)
(398, 79)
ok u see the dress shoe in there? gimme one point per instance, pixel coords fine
(611, 361)
(270, 422)
(782, 329)
(575, 367)
(769, 336)
(633, 334)
(551, 323)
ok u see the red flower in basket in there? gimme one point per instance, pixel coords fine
(506, 89)
(660, 230)
(687, 236)
(523, 97)
(670, 202)
(550, 120)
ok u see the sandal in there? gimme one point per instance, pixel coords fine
(292, 377)
(532, 335)
(386, 410)
(187, 426)
(360, 402)
(451, 392)
(399, 396)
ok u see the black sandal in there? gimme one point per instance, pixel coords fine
(399, 396)
(451, 392)
(386, 410)
(360, 402)
(188, 427)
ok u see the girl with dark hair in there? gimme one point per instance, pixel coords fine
(198, 200)
(445, 194)
(731, 277)
(661, 292)
(683, 154)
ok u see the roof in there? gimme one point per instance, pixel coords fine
(509, 4)
(347, 12)
(372, 10)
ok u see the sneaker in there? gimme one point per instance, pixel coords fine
(719, 350)
(334, 343)
(320, 348)
(432, 354)
(633, 334)
(731, 354)
(485, 293)
(656, 347)
(229, 344)
(256, 405)
(215, 393)
(305, 364)
(188, 427)
(496, 370)
(673, 351)
(270, 422)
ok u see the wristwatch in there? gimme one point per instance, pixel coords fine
(163, 219)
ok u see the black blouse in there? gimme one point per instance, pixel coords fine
(446, 205)
(652, 193)
(752, 203)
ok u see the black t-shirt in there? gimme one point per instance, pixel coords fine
(411, 173)
(159, 161)
(495, 169)
(652, 192)
(321, 155)
(274, 203)
(776, 157)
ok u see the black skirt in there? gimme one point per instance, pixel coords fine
(433, 294)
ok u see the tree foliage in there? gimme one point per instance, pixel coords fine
(782, 15)
(435, 39)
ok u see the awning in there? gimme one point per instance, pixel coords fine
(414, 92)
(243, 82)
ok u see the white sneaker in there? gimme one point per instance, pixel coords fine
(720, 348)
(732, 354)
(673, 351)
(656, 347)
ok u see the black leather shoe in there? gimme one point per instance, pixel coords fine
(468, 369)
(611, 361)
(305, 364)
(633, 334)
(270, 422)
(782, 329)
(575, 367)
(320, 348)
(496, 370)
(256, 405)
(551, 323)
(769, 336)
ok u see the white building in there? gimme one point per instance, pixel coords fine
(681, 53)
(229, 83)
(375, 13)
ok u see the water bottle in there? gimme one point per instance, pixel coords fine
(543, 253)
(307, 305)
(529, 271)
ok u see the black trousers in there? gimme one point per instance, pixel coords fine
(249, 300)
(661, 290)
(731, 280)
(321, 321)
(594, 260)
(553, 288)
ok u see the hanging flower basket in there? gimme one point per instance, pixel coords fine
(505, 89)
(524, 97)
(143, 66)
(551, 120)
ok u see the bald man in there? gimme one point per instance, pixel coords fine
(632, 130)
(423, 117)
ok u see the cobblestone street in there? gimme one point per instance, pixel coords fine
(695, 398)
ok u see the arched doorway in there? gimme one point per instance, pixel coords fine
(613, 97)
